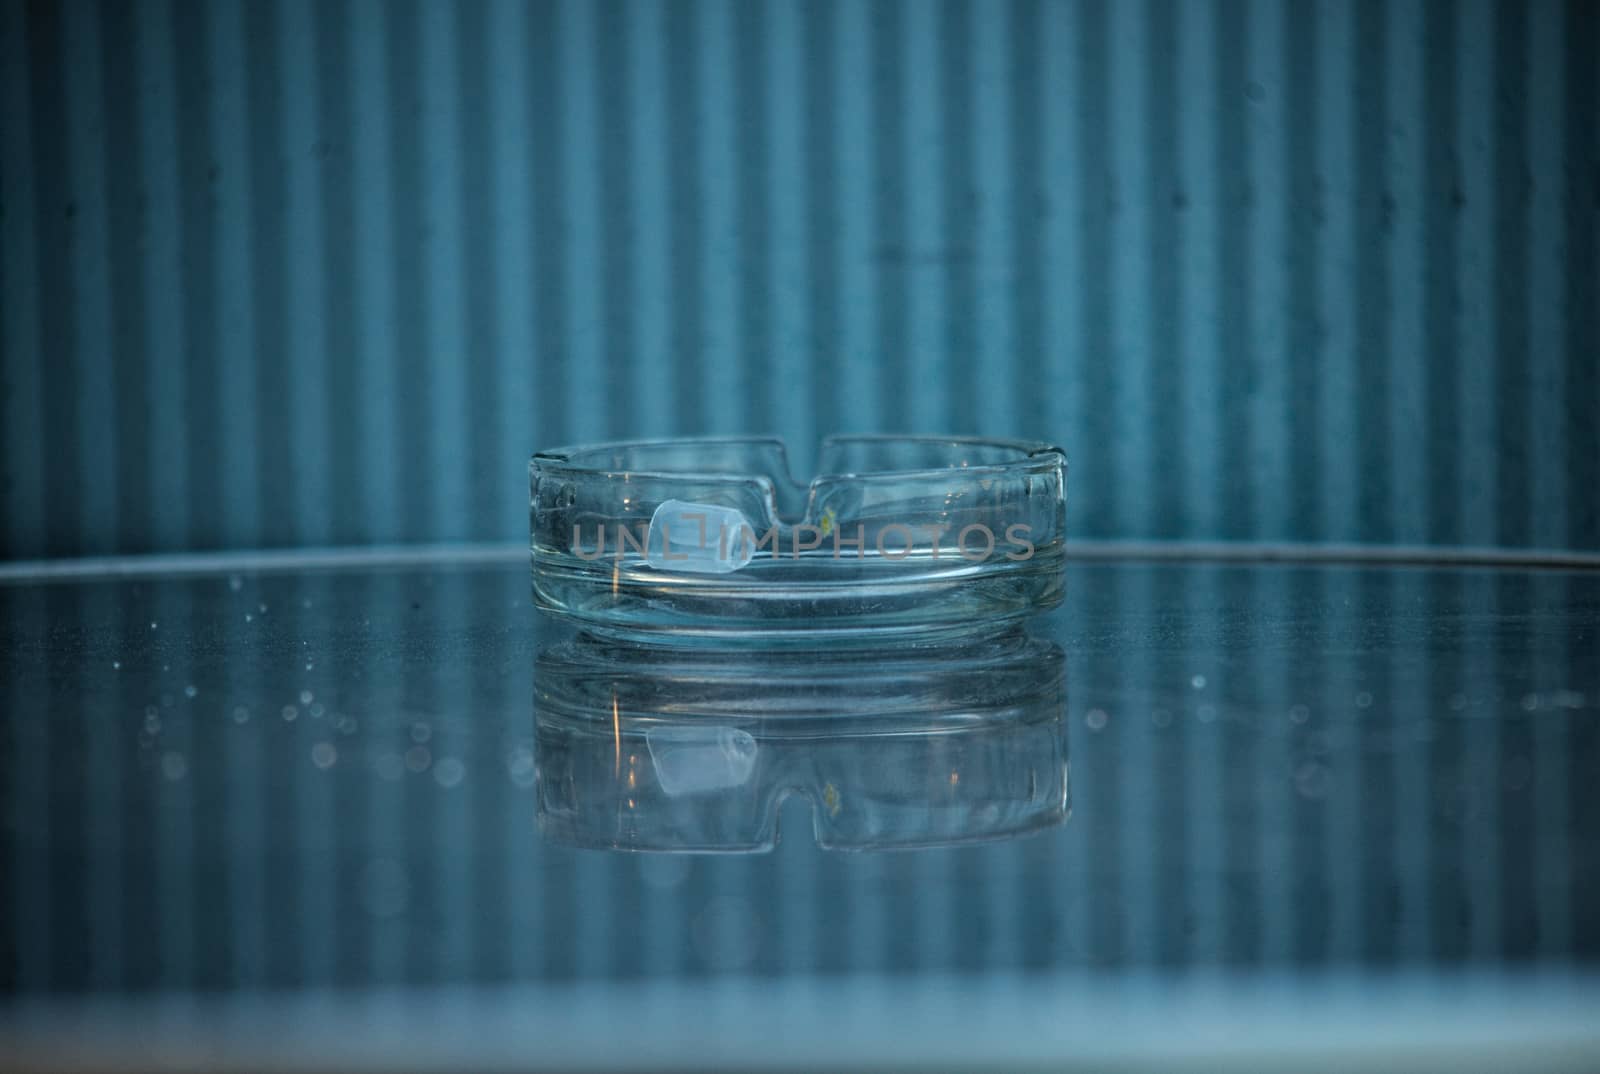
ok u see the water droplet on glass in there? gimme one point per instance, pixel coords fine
(173, 765)
(191, 691)
(1299, 713)
(116, 665)
(1530, 702)
(1363, 700)
(153, 624)
(318, 710)
(305, 697)
(290, 713)
(520, 765)
(1198, 682)
(421, 732)
(449, 772)
(235, 582)
(1096, 719)
(1311, 780)
(323, 754)
(240, 714)
(418, 759)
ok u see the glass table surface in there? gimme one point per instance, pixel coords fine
(367, 813)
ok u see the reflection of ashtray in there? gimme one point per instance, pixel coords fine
(683, 749)
(712, 538)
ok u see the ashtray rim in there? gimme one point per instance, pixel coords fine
(1031, 454)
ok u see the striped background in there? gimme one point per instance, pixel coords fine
(302, 273)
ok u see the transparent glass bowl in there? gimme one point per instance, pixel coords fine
(689, 749)
(711, 537)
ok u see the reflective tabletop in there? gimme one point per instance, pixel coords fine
(361, 812)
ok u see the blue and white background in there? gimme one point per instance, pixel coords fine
(307, 274)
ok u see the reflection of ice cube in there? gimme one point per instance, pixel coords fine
(692, 759)
(700, 538)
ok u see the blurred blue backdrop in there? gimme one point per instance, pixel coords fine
(302, 273)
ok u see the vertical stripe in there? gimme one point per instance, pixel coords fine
(1337, 373)
(447, 361)
(860, 393)
(1097, 448)
(687, 268)
(1545, 448)
(105, 750)
(1029, 412)
(197, 173)
(1405, 164)
(517, 429)
(1265, 101)
(1062, 268)
(1235, 280)
(27, 788)
(1582, 34)
(1508, 513)
(1480, 848)
(81, 393)
(250, 715)
(649, 257)
(822, 359)
(895, 357)
(722, 383)
(1136, 807)
(333, 156)
(376, 329)
(990, 364)
(1552, 789)
(1129, 198)
(1167, 200)
(23, 467)
(1439, 281)
(923, 252)
(162, 225)
(268, 395)
(750, 139)
(789, 390)
(1306, 210)
(960, 199)
(617, 225)
(1367, 439)
(301, 143)
(1476, 255)
(1199, 239)
(492, 471)
(173, 814)
(1409, 705)
(234, 334)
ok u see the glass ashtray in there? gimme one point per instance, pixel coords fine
(695, 749)
(712, 537)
